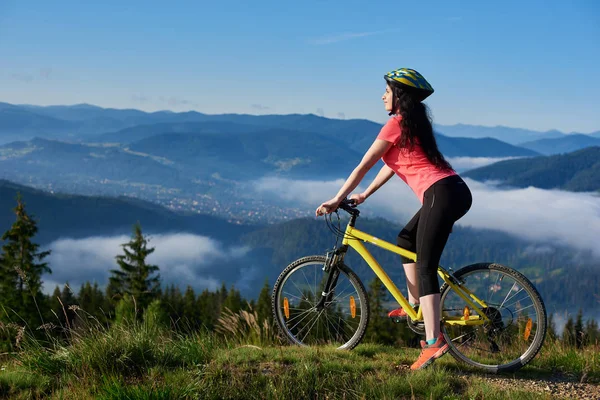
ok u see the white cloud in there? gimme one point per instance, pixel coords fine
(182, 259)
(538, 214)
(565, 218)
(461, 164)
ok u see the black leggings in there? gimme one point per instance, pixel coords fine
(444, 202)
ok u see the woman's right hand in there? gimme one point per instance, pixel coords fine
(358, 198)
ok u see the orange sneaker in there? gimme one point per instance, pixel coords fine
(399, 313)
(430, 352)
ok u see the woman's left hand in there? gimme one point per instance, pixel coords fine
(327, 207)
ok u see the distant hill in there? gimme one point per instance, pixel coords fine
(247, 156)
(577, 171)
(17, 121)
(51, 160)
(484, 147)
(564, 144)
(173, 160)
(83, 120)
(450, 147)
(64, 215)
(140, 132)
(506, 134)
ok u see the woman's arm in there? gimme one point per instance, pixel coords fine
(382, 177)
(375, 152)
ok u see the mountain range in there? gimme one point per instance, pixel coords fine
(201, 162)
(562, 145)
(21, 122)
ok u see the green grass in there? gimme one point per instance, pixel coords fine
(145, 362)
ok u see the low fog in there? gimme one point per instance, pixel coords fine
(530, 213)
(183, 259)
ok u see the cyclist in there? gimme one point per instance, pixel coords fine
(408, 148)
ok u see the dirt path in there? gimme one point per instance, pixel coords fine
(559, 386)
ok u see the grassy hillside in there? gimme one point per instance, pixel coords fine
(145, 361)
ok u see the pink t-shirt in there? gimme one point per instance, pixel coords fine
(412, 167)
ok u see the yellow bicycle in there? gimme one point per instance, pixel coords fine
(492, 316)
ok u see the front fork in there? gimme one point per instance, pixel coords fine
(333, 258)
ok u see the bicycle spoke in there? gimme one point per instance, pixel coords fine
(512, 296)
(313, 324)
(514, 284)
(515, 329)
(524, 308)
(332, 324)
(308, 283)
(308, 312)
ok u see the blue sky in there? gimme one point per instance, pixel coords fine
(532, 64)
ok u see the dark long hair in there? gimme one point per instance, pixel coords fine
(416, 126)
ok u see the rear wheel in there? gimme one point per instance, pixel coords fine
(517, 326)
(341, 320)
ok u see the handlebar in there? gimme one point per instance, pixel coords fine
(349, 206)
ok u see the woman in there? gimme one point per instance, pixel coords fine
(407, 146)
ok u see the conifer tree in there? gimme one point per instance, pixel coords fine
(233, 301)
(21, 269)
(379, 329)
(592, 333)
(208, 308)
(68, 299)
(263, 306)
(551, 327)
(56, 313)
(568, 335)
(579, 332)
(190, 311)
(135, 277)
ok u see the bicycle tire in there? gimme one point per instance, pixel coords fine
(537, 302)
(352, 277)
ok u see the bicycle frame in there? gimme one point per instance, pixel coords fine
(353, 238)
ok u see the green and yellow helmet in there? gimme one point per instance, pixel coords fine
(410, 80)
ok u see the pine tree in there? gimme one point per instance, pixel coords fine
(379, 329)
(568, 335)
(98, 303)
(222, 295)
(551, 327)
(592, 334)
(135, 277)
(208, 308)
(68, 299)
(54, 304)
(85, 297)
(263, 307)
(233, 301)
(21, 269)
(172, 302)
(579, 332)
(190, 312)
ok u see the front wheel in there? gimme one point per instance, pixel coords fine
(306, 318)
(516, 328)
